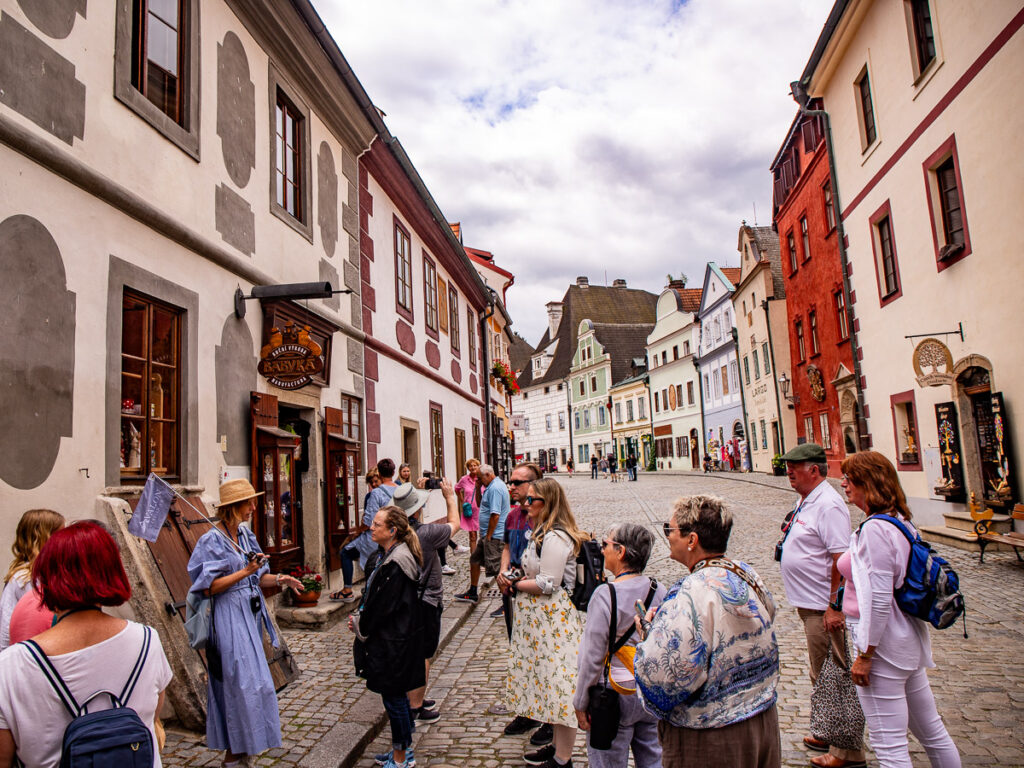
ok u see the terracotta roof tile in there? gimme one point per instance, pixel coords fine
(689, 298)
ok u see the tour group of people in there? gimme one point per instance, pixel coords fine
(675, 675)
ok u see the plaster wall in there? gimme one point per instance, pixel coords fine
(975, 98)
(535, 407)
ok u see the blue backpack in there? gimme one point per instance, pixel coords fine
(931, 588)
(112, 738)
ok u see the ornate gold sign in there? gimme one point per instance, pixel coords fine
(292, 358)
(817, 382)
(932, 353)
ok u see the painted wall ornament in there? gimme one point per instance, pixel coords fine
(932, 353)
(817, 383)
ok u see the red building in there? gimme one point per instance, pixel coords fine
(822, 386)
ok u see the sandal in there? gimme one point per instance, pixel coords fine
(342, 596)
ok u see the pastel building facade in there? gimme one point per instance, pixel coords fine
(631, 417)
(924, 101)
(672, 350)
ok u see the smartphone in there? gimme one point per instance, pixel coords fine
(645, 625)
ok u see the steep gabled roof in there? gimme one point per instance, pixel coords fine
(599, 304)
(623, 343)
(689, 298)
(732, 274)
(519, 352)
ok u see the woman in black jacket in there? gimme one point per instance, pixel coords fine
(388, 627)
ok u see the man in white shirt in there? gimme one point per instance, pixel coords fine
(817, 534)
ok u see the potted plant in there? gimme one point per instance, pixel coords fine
(312, 585)
(778, 465)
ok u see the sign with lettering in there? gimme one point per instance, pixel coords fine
(291, 358)
(948, 424)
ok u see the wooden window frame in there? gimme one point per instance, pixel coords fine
(826, 430)
(808, 428)
(757, 362)
(146, 416)
(801, 349)
(746, 370)
(765, 359)
(791, 247)
(812, 327)
(471, 338)
(453, 320)
(690, 398)
(285, 109)
(881, 225)
(829, 205)
(905, 399)
(805, 238)
(431, 306)
(475, 430)
(436, 419)
(842, 324)
(403, 284)
(946, 151)
(181, 130)
(922, 32)
(867, 119)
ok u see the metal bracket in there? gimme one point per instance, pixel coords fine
(958, 332)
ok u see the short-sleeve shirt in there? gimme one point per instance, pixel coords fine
(820, 529)
(432, 536)
(37, 721)
(377, 498)
(495, 501)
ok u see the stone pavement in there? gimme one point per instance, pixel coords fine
(978, 687)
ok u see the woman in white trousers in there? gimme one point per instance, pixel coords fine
(893, 648)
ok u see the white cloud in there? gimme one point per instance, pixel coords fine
(587, 136)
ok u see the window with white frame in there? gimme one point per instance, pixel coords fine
(826, 435)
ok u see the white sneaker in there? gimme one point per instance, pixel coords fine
(462, 549)
(447, 570)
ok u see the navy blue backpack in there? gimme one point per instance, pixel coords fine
(111, 738)
(931, 588)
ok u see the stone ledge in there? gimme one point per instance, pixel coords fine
(324, 615)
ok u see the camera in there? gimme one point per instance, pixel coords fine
(514, 574)
(433, 483)
(778, 552)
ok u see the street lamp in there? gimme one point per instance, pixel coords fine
(784, 386)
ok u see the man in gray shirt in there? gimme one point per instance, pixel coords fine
(432, 536)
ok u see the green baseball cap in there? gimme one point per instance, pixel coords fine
(805, 452)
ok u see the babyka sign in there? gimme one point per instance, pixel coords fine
(291, 358)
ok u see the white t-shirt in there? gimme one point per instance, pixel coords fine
(14, 590)
(30, 709)
(820, 529)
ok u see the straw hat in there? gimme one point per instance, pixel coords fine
(409, 499)
(234, 491)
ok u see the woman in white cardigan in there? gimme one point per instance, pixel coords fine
(893, 648)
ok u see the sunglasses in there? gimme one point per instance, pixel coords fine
(530, 499)
(610, 543)
(669, 528)
(517, 483)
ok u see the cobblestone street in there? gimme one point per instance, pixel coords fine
(978, 688)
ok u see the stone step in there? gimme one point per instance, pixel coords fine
(963, 521)
(953, 537)
(324, 615)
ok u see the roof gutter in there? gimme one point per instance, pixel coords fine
(831, 24)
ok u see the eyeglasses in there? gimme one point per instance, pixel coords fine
(530, 499)
(668, 527)
(609, 543)
(517, 483)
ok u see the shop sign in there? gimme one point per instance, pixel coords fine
(947, 422)
(291, 358)
(932, 353)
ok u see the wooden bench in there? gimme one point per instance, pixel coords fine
(1010, 539)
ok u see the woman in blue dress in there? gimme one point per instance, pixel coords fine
(242, 715)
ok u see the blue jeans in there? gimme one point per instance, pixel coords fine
(349, 555)
(400, 716)
(638, 733)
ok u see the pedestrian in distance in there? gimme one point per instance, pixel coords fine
(613, 468)
(603, 464)
(433, 538)
(34, 529)
(626, 548)
(708, 667)
(389, 628)
(547, 628)
(815, 534)
(494, 508)
(593, 467)
(517, 527)
(570, 467)
(77, 573)
(363, 545)
(893, 648)
(228, 565)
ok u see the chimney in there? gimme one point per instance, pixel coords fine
(554, 317)
(618, 283)
(583, 282)
(679, 283)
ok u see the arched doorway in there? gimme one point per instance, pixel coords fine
(988, 461)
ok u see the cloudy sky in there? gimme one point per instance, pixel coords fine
(618, 138)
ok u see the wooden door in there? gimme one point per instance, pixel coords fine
(341, 505)
(277, 522)
(172, 550)
(460, 454)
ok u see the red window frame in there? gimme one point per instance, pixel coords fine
(941, 155)
(881, 223)
(906, 398)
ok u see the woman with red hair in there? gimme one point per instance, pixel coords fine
(76, 573)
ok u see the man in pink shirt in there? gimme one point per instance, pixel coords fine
(817, 534)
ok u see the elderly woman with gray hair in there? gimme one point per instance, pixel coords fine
(626, 548)
(708, 666)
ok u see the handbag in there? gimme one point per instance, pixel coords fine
(836, 716)
(198, 620)
(467, 510)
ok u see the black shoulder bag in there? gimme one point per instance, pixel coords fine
(603, 707)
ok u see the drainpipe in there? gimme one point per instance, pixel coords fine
(775, 385)
(700, 389)
(568, 415)
(650, 410)
(743, 397)
(800, 96)
(484, 340)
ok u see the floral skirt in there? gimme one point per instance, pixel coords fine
(546, 635)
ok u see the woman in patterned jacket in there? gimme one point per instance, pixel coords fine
(709, 665)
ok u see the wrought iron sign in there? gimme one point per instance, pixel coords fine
(291, 358)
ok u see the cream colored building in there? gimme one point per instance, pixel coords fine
(925, 104)
(631, 419)
(759, 306)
